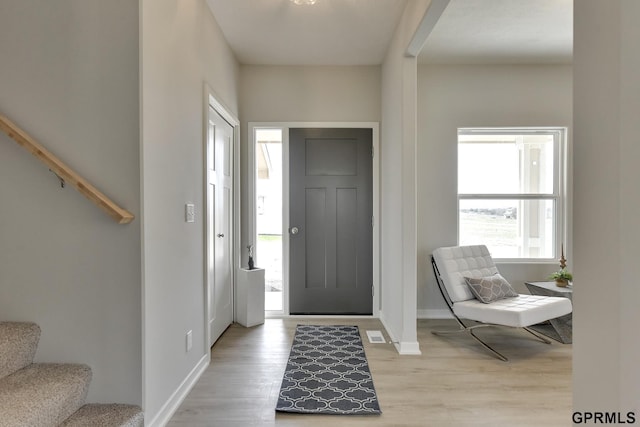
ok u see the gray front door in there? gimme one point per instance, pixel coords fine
(330, 217)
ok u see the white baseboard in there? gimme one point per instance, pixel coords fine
(163, 416)
(403, 348)
(321, 316)
(434, 313)
(406, 348)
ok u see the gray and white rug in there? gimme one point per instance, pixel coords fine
(327, 373)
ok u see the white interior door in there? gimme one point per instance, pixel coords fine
(219, 224)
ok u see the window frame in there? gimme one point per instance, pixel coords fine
(558, 195)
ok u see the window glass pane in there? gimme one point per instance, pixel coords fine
(505, 164)
(269, 213)
(509, 228)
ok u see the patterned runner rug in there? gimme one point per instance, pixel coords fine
(327, 373)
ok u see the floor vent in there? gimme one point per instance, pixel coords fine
(375, 337)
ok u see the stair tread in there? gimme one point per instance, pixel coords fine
(18, 344)
(43, 394)
(106, 415)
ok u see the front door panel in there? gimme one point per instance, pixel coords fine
(330, 221)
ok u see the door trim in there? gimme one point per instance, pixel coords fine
(251, 196)
(211, 100)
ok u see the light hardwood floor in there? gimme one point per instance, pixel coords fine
(453, 383)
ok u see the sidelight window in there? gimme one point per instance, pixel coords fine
(268, 155)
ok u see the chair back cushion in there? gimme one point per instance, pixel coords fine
(457, 262)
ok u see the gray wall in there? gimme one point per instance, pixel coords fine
(298, 94)
(456, 96)
(182, 49)
(314, 93)
(606, 295)
(69, 77)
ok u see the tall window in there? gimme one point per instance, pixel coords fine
(510, 194)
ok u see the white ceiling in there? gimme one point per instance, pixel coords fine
(358, 32)
(502, 31)
(331, 32)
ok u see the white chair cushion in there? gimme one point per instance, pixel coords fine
(520, 311)
(457, 262)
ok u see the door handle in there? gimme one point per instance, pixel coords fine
(220, 235)
(294, 230)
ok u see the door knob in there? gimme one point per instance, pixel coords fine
(294, 230)
(220, 235)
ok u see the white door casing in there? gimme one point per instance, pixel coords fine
(251, 204)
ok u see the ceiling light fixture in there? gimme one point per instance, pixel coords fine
(298, 2)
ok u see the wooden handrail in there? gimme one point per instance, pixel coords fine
(64, 172)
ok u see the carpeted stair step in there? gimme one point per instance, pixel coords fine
(106, 415)
(18, 344)
(43, 394)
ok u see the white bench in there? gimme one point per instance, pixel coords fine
(451, 265)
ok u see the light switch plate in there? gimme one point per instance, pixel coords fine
(189, 340)
(190, 212)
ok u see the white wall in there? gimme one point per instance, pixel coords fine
(182, 48)
(398, 183)
(606, 295)
(69, 77)
(456, 96)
